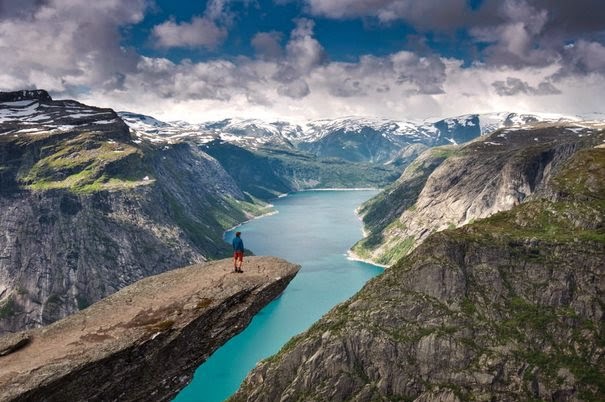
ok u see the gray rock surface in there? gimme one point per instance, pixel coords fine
(145, 341)
(15, 96)
(381, 213)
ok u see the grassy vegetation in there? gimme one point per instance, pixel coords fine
(397, 249)
(583, 176)
(85, 164)
(555, 221)
(577, 214)
(433, 154)
(444, 152)
(252, 207)
(534, 327)
(8, 308)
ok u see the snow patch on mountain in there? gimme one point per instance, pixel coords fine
(34, 117)
(251, 133)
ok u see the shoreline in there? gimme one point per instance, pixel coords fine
(364, 232)
(350, 255)
(354, 257)
(339, 189)
(251, 219)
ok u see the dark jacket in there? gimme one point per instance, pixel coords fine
(238, 244)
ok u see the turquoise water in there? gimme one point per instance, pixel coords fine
(314, 229)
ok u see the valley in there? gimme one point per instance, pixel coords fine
(491, 226)
(509, 307)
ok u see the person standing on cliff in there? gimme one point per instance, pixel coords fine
(238, 252)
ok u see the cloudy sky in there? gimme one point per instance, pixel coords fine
(309, 59)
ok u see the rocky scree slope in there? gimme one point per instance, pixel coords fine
(143, 342)
(508, 308)
(86, 210)
(452, 186)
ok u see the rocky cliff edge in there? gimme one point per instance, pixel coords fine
(143, 342)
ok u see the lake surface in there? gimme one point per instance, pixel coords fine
(314, 229)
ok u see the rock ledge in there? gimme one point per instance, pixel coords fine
(145, 341)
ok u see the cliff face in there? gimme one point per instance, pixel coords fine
(508, 308)
(86, 210)
(143, 342)
(457, 186)
(381, 213)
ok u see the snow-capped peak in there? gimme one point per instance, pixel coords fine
(254, 133)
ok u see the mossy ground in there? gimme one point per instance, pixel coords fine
(8, 308)
(86, 163)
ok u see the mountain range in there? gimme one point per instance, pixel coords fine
(355, 139)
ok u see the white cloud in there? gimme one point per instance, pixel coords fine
(207, 31)
(295, 89)
(584, 57)
(65, 43)
(371, 87)
(513, 86)
(200, 32)
(513, 41)
(303, 50)
(422, 13)
(63, 46)
(267, 45)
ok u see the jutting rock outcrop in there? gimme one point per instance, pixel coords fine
(507, 308)
(143, 342)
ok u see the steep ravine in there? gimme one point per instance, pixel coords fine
(508, 308)
(143, 342)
